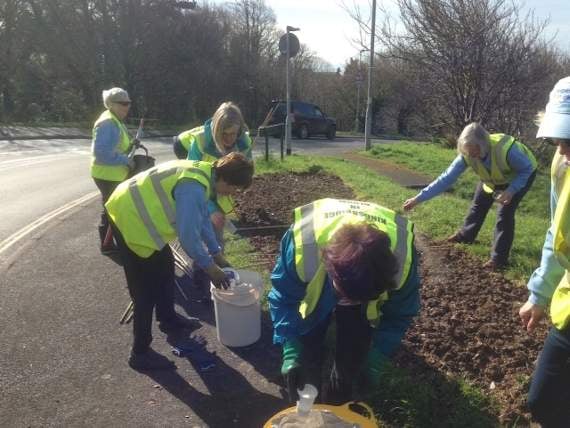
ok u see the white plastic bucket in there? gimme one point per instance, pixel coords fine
(238, 310)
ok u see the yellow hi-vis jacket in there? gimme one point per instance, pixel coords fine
(501, 172)
(111, 172)
(560, 304)
(316, 223)
(143, 207)
(206, 145)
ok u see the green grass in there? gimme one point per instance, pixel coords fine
(444, 214)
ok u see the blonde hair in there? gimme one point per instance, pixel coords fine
(473, 134)
(227, 115)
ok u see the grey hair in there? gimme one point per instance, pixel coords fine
(473, 134)
(227, 115)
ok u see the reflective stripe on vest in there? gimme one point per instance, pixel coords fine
(111, 172)
(501, 173)
(560, 305)
(315, 225)
(143, 207)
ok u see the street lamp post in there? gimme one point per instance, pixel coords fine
(359, 81)
(368, 123)
(288, 86)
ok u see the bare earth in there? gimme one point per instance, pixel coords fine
(468, 326)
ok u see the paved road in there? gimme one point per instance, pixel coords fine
(40, 176)
(62, 352)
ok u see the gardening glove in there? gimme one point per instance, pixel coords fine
(375, 367)
(218, 276)
(221, 261)
(291, 368)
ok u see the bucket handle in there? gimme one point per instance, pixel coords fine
(361, 408)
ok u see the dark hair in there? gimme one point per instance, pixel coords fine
(235, 169)
(359, 260)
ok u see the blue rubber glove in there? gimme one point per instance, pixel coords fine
(291, 367)
(376, 364)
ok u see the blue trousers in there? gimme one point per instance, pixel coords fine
(549, 395)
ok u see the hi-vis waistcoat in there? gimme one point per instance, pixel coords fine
(316, 223)
(560, 305)
(198, 134)
(501, 172)
(111, 172)
(144, 209)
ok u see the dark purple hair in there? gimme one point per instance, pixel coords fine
(359, 260)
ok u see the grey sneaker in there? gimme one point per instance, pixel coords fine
(150, 360)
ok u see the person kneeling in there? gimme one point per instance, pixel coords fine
(354, 262)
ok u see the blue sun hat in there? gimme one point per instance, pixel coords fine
(556, 120)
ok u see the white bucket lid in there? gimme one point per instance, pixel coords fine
(239, 294)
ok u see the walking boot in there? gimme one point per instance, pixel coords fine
(150, 360)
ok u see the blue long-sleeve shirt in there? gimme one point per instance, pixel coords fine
(193, 223)
(518, 161)
(107, 137)
(545, 279)
(288, 291)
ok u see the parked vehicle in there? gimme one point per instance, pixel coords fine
(308, 120)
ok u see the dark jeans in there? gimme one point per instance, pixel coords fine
(106, 188)
(549, 395)
(353, 337)
(179, 151)
(151, 284)
(505, 225)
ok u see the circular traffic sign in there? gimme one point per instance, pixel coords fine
(294, 45)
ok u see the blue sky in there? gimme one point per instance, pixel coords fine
(328, 29)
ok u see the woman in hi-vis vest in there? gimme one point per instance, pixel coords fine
(224, 133)
(549, 395)
(152, 209)
(110, 147)
(352, 262)
(506, 168)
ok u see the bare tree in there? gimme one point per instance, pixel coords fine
(482, 57)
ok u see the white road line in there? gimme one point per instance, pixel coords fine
(12, 239)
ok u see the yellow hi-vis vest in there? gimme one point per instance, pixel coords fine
(111, 172)
(501, 172)
(560, 305)
(197, 134)
(187, 137)
(316, 223)
(225, 202)
(143, 207)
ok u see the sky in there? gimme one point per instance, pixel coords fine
(328, 30)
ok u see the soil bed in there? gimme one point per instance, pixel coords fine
(468, 325)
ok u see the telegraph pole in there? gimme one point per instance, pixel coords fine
(368, 123)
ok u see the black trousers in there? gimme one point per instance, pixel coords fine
(151, 285)
(179, 151)
(353, 338)
(505, 225)
(106, 188)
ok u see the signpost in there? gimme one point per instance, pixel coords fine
(289, 46)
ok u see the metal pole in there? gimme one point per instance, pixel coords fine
(368, 124)
(288, 115)
(266, 146)
(358, 83)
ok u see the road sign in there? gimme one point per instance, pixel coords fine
(293, 44)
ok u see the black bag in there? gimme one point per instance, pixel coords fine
(142, 162)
